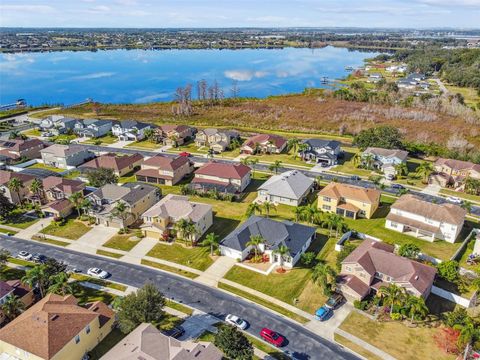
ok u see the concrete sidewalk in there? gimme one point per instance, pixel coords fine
(374, 350)
(216, 271)
(35, 228)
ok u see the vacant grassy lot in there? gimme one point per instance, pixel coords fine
(395, 338)
(195, 257)
(72, 229)
(122, 242)
(169, 269)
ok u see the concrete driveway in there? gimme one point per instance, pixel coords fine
(197, 324)
(93, 239)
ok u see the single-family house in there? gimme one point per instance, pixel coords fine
(120, 164)
(15, 196)
(162, 217)
(65, 156)
(56, 328)
(384, 159)
(264, 143)
(348, 200)
(55, 125)
(174, 135)
(224, 177)
(164, 170)
(15, 150)
(296, 237)
(321, 151)
(450, 172)
(15, 288)
(58, 209)
(374, 77)
(137, 198)
(289, 188)
(373, 265)
(147, 342)
(425, 220)
(92, 128)
(130, 130)
(58, 188)
(215, 139)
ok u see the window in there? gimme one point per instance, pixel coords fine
(77, 339)
(326, 207)
(87, 329)
(393, 224)
(326, 199)
(348, 268)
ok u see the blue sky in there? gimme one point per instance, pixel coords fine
(240, 13)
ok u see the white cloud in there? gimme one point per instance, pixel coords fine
(244, 75)
(27, 8)
(97, 75)
(99, 9)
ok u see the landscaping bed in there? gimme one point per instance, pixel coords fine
(197, 257)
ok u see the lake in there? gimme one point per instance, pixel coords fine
(139, 76)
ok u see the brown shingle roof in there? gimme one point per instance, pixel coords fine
(6, 176)
(68, 186)
(337, 190)
(48, 326)
(458, 165)
(278, 141)
(449, 213)
(113, 161)
(224, 171)
(166, 163)
(388, 153)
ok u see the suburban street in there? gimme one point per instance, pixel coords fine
(302, 344)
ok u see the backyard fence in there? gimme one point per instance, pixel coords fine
(457, 299)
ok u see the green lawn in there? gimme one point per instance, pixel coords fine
(46, 167)
(72, 229)
(32, 132)
(8, 273)
(109, 254)
(88, 295)
(41, 238)
(354, 347)
(122, 242)
(190, 147)
(459, 194)
(145, 144)
(106, 344)
(174, 270)
(195, 257)
(18, 220)
(72, 174)
(104, 140)
(395, 338)
(63, 137)
(101, 282)
(5, 231)
(20, 262)
(177, 306)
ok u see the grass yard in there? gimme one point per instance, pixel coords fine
(8, 273)
(171, 269)
(20, 262)
(355, 348)
(6, 231)
(19, 220)
(106, 344)
(101, 282)
(32, 132)
(72, 229)
(177, 306)
(63, 137)
(395, 338)
(49, 241)
(109, 254)
(87, 295)
(459, 194)
(104, 140)
(144, 144)
(45, 167)
(285, 158)
(195, 257)
(122, 242)
(191, 148)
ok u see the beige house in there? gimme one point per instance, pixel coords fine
(224, 177)
(147, 342)
(217, 140)
(164, 170)
(65, 156)
(264, 143)
(56, 328)
(58, 208)
(425, 220)
(162, 217)
(174, 135)
(15, 196)
(120, 164)
(373, 265)
(450, 172)
(14, 150)
(349, 200)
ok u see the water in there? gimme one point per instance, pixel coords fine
(139, 76)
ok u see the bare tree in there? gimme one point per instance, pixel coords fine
(234, 89)
(202, 90)
(183, 97)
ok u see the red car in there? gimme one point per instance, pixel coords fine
(185, 154)
(272, 337)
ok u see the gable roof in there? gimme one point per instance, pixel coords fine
(275, 233)
(178, 207)
(63, 150)
(276, 140)
(68, 186)
(166, 162)
(387, 153)
(113, 161)
(376, 256)
(321, 143)
(20, 145)
(449, 213)
(50, 324)
(147, 343)
(337, 190)
(128, 124)
(6, 176)
(291, 184)
(224, 170)
(173, 127)
(458, 165)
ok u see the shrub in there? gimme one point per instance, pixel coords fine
(308, 258)
(360, 305)
(409, 250)
(448, 270)
(396, 316)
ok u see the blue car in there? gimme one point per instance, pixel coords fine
(323, 313)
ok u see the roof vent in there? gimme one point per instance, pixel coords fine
(416, 277)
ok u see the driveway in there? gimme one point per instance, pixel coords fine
(431, 189)
(94, 239)
(196, 324)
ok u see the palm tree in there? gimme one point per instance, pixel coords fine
(12, 307)
(180, 227)
(298, 211)
(301, 149)
(275, 166)
(268, 206)
(255, 242)
(325, 276)
(211, 240)
(467, 205)
(368, 160)
(253, 162)
(121, 211)
(472, 186)
(469, 333)
(36, 277)
(59, 284)
(424, 170)
(76, 199)
(245, 161)
(416, 307)
(310, 213)
(16, 185)
(282, 251)
(401, 169)
(86, 205)
(334, 221)
(253, 208)
(292, 144)
(36, 186)
(392, 295)
(357, 159)
(234, 143)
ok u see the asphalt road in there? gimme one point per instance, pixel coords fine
(302, 343)
(263, 167)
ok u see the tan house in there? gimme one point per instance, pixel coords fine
(147, 342)
(58, 208)
(224, 177)
(56, 328)
(373, 265)
(120, 164)
(164, 170)
(349, 200)
(57, 188)
(264, 143)
(425, 220)
(450, 172)
(13, 196)
(174, 135)
(217, 140)
(15, 288)
(13, 150)
(162, 217)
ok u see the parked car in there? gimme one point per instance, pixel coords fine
(175, 332)
(323, 313)
(24, 255)
(355, 178)
(185, 154)
(454, 200)
(98, 273)
(74, 270)
(390, 177)
(39, 258)
(397, 186)
(272, 337)
(236, 321)
(334, 300)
